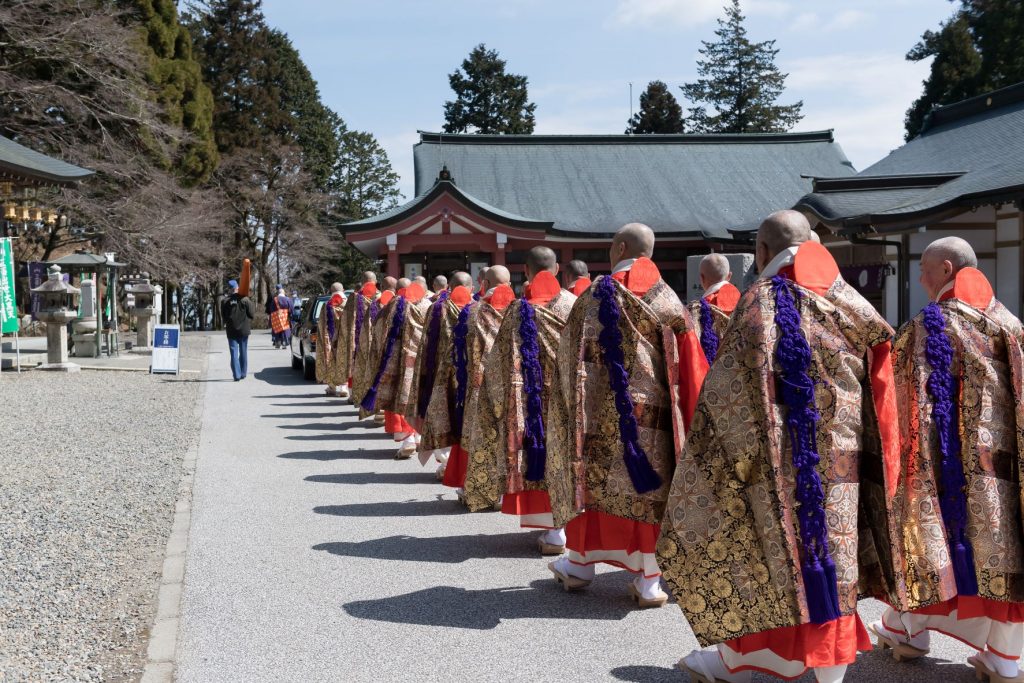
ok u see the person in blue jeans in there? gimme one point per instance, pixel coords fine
(237, 313)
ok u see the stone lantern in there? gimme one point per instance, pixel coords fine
(84, 327)
(57, 307)
(144, 295)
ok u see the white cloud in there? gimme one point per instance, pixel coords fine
(875, 75)
(399, 149)
(845, 20)
(685, 13)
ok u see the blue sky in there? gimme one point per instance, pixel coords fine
(384, 65)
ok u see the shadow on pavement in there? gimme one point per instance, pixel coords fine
(408, 508)
(880, 666)
(301, 416)
(445, 549)
(316, 395)
(325, 403)
(282, 376)
(333, 426)
(647, 674)
(361, 436)
(376, 454)
(452, 607)
(359, 478)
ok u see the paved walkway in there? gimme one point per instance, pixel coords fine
(314, 556)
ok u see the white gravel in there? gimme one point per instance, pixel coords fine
(90, 467)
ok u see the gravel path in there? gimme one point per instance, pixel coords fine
(90, 466)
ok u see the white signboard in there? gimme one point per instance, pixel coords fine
(166, 340)
(412, 270)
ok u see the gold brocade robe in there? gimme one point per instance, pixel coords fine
(436, 429)
(730, 542)
(364, 358)
(396, 382)
(346, 335)
(719, 318)
(328, 364)
(449, 314)
(987, 359)
(585, 466)
(496, 461)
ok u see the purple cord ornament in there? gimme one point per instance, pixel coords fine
(944, 389)
(641, 473)
(369, 401)
(429, 369)
(460, 360)
(374, 310)
(708, 337)
(793, 359)
(329, 312)
(360, 317)
(533, 386)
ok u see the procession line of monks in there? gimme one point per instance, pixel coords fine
(775, 456)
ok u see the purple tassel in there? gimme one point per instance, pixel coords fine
(374, 310)
(641, 473)
(369, 401)
(330, 321)
(428, 371)
(461, 361)
(944, 389)
(359, 322)
(793, 358)
(476, 296)
(533, 386)
(708, 338)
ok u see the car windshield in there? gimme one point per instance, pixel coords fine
(317, 305)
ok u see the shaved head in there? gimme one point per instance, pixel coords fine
(576, 269)
(404, 282)
(337, 287)
(714, 268)
(541, 258)
(942, 260)
(482, 275)
(778, 232)
(440, 283)
(369, 276)
(420, 279)
(390, 283)
(633, 240)
(461, 278)
(497, 275)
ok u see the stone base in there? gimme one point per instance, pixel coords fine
(60, 367)
(141, 350)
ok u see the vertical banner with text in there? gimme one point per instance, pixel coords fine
(8, 307)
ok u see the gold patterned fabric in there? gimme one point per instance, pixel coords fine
(436, 429)
(496, 460)
(328, 365)
(364, 359)
(730, 542)
(396, 385)
(345, 345)
(719, 318)
(412, 402)
(585, 466)
(987, 359)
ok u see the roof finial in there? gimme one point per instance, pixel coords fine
(445, 175)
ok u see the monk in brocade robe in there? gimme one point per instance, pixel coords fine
(328, 326)
(959, 374)
(460, 372)
(397, 335)
(365, 359)
(356, 320)
(711, 312)
(578, 276)
(627, 378)
(437, 333)
(801, 391)
(507, 451)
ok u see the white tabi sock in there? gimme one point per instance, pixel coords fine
(709, 664)
(901, 627)
(553, 536)
(1006, 668)
(649, 588)
(441, 455)
(585, 572)
(830, 674)
(400, 436)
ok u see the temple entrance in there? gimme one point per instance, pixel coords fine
(444, 262)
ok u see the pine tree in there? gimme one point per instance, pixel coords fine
(362, 183)
(487, 99)
(977, 50)
(659, 112)
(740, 83)
(186, 101)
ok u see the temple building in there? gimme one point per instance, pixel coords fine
(486, 199)
(962, 175)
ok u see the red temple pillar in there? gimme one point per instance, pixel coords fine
(393, 266)
(565, 255)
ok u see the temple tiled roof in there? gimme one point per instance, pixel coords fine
(18, 162)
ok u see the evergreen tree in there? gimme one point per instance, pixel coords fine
(363, 183)
(186, 101)
(487, 99)
(740, 83)
(659, 112)
(977, 50)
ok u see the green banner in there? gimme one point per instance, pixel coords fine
(8, 307)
